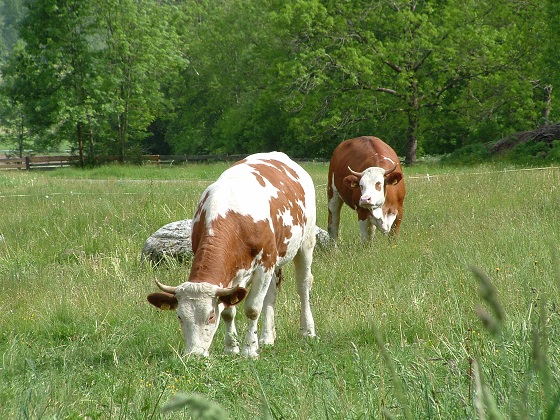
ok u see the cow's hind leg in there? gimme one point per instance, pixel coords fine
(304, 281)
(231, 342)
(268, 334)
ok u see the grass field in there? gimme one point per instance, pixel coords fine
(457, 318)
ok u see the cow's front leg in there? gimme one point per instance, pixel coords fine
(334, 207)
(367, 229)
(253, 307)
(231, 343)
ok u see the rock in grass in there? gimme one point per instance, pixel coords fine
(172, 242)
(323, 238)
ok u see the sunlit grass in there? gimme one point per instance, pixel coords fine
(78, 339)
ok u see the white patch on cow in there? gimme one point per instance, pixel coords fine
(383, 222)
(286, 217)
(228, 197)
(367, 229)
(377, 213)
(388, 221)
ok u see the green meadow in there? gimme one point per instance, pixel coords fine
(459, 317)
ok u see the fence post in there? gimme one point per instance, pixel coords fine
(27, 165)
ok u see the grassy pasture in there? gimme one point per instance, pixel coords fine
(398, 321)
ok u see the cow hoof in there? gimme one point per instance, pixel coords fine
(267, 338)
(231, 350)
(249, 353)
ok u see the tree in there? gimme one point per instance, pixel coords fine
(90, 73)
(139, 53)
(14, 127)
(227, 95)
(418, 54)
(52, 75)
(11, 11)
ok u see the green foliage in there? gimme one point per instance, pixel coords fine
(239, 76)
(92, 75)
(473, 154)
(11, 11)
(533, 152)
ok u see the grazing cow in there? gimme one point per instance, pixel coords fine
(259, 215)
(365, 173)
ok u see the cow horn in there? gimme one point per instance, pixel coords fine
(353, 172)
(168, 289)
(388, 171)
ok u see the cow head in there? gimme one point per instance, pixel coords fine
(372, 183)
(199, 306)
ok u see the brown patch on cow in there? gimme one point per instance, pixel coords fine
(235, 243)
(200, 207)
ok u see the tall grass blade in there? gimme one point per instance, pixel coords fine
(397, 383)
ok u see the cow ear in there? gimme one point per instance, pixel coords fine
(232, 296)
(164, 301)
(352, 181)
(393, 178)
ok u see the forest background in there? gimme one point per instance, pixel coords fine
(128, 77)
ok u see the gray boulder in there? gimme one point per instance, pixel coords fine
(323, 238)
(173, 242)
(170, 242)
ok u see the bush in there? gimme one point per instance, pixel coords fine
(468, 155)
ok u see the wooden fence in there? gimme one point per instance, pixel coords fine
(50, 162)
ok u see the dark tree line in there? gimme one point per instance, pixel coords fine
(238, 76)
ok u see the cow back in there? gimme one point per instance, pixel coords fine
(259, 211)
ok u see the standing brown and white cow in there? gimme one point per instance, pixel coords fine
(365, 173)
(259, 215)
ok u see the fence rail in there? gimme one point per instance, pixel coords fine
(50, 162)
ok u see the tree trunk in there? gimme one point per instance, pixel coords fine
(411, 139)
(20, 136)
(548, 104)
(413, 120)
(121, 138)
(79, 133)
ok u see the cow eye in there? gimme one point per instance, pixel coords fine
(212, 318)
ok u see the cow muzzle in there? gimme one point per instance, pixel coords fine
(370, 202)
